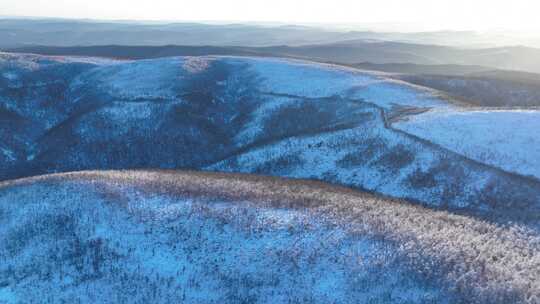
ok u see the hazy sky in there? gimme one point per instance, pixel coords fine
(429, 14)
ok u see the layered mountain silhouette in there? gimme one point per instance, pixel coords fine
(445, 59)
(285, 164)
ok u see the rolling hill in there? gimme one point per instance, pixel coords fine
(253, 115)
(448, 70)
(166, 236)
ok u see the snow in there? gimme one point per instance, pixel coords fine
(253, 129)
(10, 76)
(271, 116)
(33, 61)
(88, 60)
(162, 249)
(156, 237)
(179, 249)
(386, 163)
(506, 139)
(311, 80)
(8, 154)
(143, 79)
(304, 79)
(120, 111)
(196, 64)
(24, 61)
(387, 93)
(7, 296)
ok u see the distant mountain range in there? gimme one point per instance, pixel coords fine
(136, 40)
(61, 32)
(349, 52)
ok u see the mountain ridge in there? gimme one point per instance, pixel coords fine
(126, 228)
(253, 115)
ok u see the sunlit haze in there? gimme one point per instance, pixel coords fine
(517, 15)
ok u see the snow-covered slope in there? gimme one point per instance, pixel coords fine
(507, 139)
(171, 237)
(270, 116)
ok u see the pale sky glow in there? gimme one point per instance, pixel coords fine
(522, 15)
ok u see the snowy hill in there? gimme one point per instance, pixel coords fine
(506, 139)
(253, 115)
(169, 237)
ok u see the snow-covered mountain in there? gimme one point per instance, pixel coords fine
(506, 139)
(186, 237)
(259, 115)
